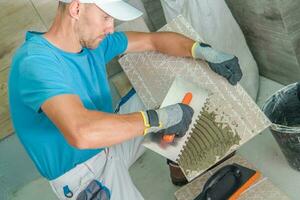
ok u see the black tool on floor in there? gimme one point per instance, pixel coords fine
(228, 183)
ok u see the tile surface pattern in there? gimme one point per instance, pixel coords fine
(152, 74)
(17, 17)
(263, 189)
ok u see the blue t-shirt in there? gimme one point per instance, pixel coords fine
(40, 71)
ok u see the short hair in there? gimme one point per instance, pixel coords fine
(62, 6)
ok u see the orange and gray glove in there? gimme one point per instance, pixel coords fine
(173, 119)
(224, 64)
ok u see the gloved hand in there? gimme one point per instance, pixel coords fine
(222, 63)
(173, 119)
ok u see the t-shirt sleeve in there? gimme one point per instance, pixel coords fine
(41, 77)
(113, 45)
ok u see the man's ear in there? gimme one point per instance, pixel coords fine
(74, 9)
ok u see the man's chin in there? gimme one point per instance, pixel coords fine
(92, 47)
(95, 44)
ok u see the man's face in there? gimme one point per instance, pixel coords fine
(93, 25)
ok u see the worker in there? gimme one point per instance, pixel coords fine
(61, 105)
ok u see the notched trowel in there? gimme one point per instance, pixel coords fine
(177, 91)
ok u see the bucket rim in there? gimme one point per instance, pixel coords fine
(280, 127)
(278, 91)
(285, 129)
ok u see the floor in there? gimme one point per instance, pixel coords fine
(20, 181)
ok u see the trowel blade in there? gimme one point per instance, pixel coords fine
(175, 94)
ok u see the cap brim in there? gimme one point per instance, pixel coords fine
(120, 10)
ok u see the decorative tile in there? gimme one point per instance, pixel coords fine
(263, 189)
(5, 123)
(46, 10)
(152, 74)
(16, 17)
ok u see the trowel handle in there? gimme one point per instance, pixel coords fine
(186, 100)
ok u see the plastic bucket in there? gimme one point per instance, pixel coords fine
(283, 110)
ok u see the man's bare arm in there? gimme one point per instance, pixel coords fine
(87, 129)
(169, 43)
(175, 44)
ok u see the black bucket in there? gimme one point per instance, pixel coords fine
(283, 110)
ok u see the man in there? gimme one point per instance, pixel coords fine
(61, 104)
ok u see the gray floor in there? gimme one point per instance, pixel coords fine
(265, 154)
(20, 181)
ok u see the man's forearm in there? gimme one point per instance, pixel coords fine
(98, 129)
(172, 43)
(87, 129)
(169, 43)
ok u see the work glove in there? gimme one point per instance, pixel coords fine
(173, 119)
(222, 63)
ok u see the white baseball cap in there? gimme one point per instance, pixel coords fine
(118, 9)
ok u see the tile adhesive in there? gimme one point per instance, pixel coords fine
(229, 118)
